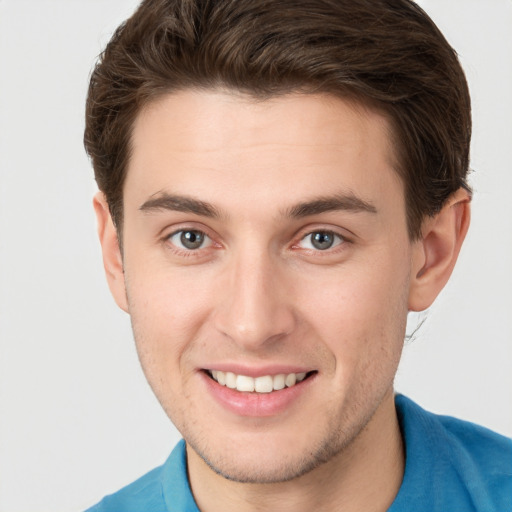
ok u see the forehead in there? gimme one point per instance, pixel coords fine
(222, 145)
(198, 118)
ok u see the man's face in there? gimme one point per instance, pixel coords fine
(266, 240)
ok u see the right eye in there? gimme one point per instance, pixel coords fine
(190, 239)
(321, 240)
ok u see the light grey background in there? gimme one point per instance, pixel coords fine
(77, 419)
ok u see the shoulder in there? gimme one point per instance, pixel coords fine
(489, 450)
(492, 452)
(143, 494)
(454, 462)
(164, 488)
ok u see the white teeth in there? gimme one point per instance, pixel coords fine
(290, 380)
(244, 383)
(279, 381)
(220, 377)
(230, 380)
(264, 384)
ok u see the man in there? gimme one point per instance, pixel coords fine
(280, 183)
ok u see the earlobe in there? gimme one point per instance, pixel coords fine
(112, 258)
(435, 254)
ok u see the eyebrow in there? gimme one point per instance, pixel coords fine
(347, 202)
(165, 201)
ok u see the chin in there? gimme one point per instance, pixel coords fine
(269, 461)
(258, 471)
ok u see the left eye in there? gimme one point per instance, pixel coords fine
(190, 239)
(321, 240)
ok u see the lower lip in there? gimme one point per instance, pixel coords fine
(256, 404)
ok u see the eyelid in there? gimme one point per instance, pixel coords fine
(206, 239)
(345, 234)
(338, 240)
(170, 231)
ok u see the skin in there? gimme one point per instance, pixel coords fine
(258, 293)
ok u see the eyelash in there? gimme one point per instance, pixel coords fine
(184, 251)
(339, 240)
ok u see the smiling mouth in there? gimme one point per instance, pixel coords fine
(263, 384)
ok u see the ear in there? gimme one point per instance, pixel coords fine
(112, 258)
(435, 254)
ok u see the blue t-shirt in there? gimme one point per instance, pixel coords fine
(451, 466)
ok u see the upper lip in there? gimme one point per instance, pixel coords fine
(258, 371)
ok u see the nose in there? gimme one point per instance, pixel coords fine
(254, 307)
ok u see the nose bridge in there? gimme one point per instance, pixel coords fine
(254, 309)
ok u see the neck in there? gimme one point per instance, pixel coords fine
(366, 475)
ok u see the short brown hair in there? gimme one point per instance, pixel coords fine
(388, 53)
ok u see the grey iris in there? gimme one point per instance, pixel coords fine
(322, 240)
(192, 239)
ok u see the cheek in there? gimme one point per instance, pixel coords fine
(167, 311)
(355, 300)
(360, 313)
(165, 299)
